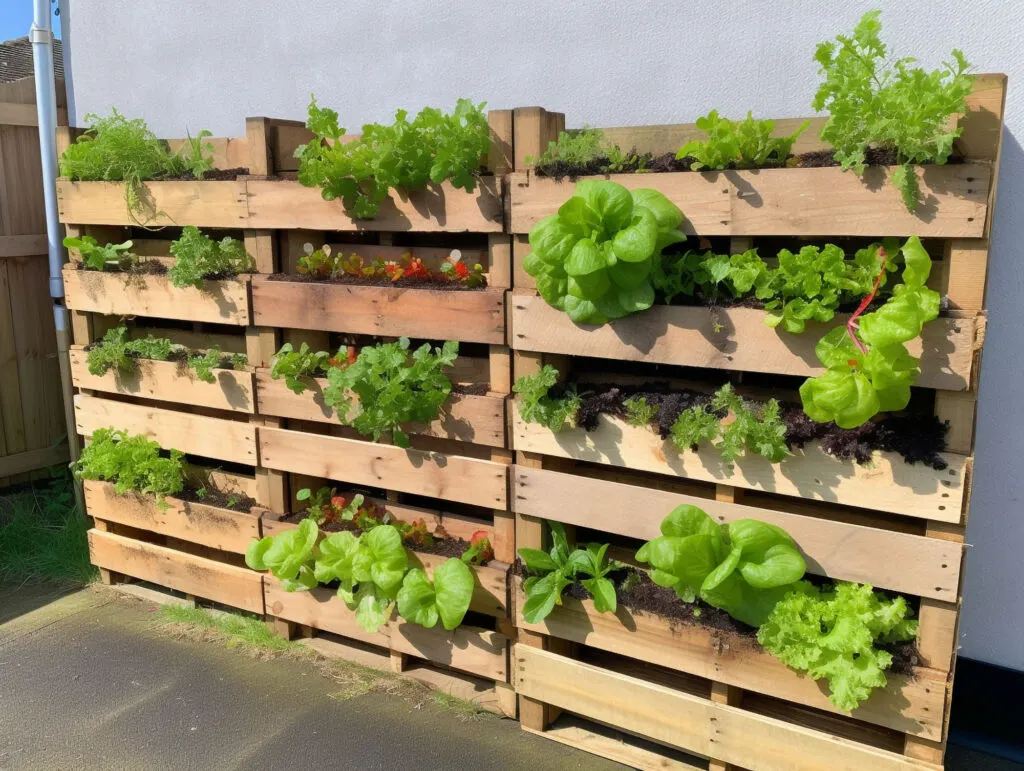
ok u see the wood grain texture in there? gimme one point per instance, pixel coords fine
(887, 484)
(467, 316)
(220, 302)
(321, 609)
(211, 526)
(726, 338)
(467, 649)
(219, 438)
(206, 578)
(203, 204)
(464, 417)
(436, 475)
(170, 382)
(678, 719)
(439, 208)
(909, 704)
(791, 202)
(911, 564)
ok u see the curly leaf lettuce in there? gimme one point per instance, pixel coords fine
(594, 258)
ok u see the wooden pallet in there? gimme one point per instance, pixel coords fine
(896, 526)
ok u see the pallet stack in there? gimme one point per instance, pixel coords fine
(696, 691)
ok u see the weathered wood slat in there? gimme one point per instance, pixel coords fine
(203, 204)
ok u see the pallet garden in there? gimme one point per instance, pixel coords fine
(663, 435)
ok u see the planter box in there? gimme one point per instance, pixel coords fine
(729, 338)
(791, 202)
(473, 316)
(235, 586)
(168, 381)
(217, 204)
(433, 474)
(464, 418)
(223, 529)
(678, 718)
(120, 294)
(278, 204)
(887, 484)
(218, 438)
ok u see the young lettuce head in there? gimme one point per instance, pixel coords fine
(594, 258)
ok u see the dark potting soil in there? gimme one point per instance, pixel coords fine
(213, 175)
(433, 282)
(217, 498)
(439, 546)
(917, 438)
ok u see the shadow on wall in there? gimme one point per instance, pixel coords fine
(996, 527)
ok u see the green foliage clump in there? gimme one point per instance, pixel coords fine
(293, 365)
(834, 633)
(391, 387)
(581, 148)
(203, 364)
(743, 567)
(638, 411)
(198, 257)
(116, 149)
(594, 258)
(868, 367)
(754, 428)
(433, 147)
(115, 351)
(132, 463)
(874, 102)
(746, 144)
(536, 405)
(96, 257)
(554, 570)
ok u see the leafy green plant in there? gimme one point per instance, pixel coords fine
(203, 364)
(869, 369)
(536, 405)
(149, 347)
(319, 263)
(199, 257)
(391, 387)
(863, 91)
(704, 275)
(556, 569)
(96, 257)
(753, 428)
(326, 506)
(446, 598)
(433, 147)
(639, 412)
(594, 258)
(116, 149)
(694, 425)
(293, 365)
(743, 567)
(288, 556)
(580, 148)
(745, 144)
(110, 352)
(132, 463)
(239, 361)
(480, 550)
(834, 632)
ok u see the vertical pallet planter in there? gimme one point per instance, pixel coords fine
(711, 693)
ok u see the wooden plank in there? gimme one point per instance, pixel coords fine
(792, 202)
(440, 208)
(668, 138)
(33, 460)
(477, 651)
(212, 580)
(958, 409)
(449, 477)
(203, 204)
(321, 609)
(194, 340)
(887, 484)
(169, 381)
(689, 722)
(18, 114)
(11, 419)
(968, 268)
(468, 316)
(465, 417)
(219, 438)
(220, 302)
(900, 562)
(726, 338)
(500, 159)
(909, 704)
(23, 246)
(211, 526)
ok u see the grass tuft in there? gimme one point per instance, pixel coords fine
(43, 535)
(246, 633)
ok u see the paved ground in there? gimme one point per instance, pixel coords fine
(86, 683)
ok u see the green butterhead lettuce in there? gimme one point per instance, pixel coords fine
(288, 556)
(446, 598)
(594, 258)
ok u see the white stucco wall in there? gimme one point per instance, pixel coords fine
(186, 63)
